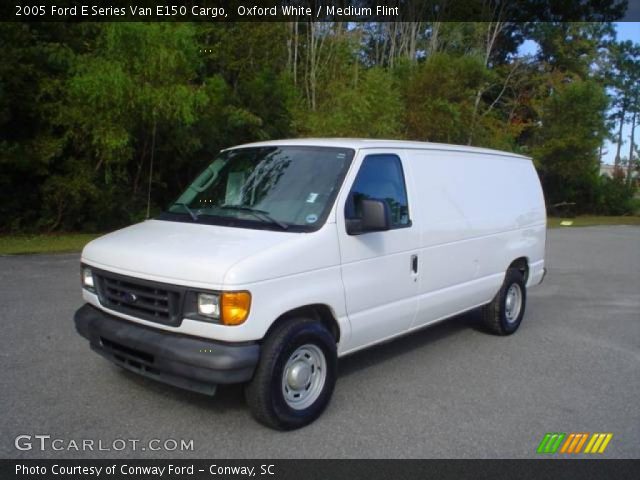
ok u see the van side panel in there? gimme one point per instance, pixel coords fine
(477, 213)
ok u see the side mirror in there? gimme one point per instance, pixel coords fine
(376, 217)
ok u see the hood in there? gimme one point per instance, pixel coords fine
(181, 253)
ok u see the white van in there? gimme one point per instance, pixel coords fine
(283, 256)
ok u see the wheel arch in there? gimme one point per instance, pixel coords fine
(318, 311)
(522, 264)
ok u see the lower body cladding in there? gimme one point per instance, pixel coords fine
(193, 363)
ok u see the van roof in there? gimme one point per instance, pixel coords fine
(364, 143)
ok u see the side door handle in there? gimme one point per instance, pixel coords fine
(414, 263)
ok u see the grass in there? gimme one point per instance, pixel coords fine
(73, 242)
(58, 243)
(591, 220)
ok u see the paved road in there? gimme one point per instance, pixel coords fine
(447, 391)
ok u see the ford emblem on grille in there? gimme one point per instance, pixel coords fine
(129, 297)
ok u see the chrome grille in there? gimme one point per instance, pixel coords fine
(157, 302)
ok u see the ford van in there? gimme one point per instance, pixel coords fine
(283, 256)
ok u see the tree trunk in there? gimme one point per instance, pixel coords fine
(434, 39)
(143, 155)
(413, 40)
(357, 61)
(600, 156)
(386, 34)
(153, 149)
(392, 45)
(59, 213)
(312, 66)
(632, 144)
(290, 47)
(307, 66)
(617, 159)
(295, 53)
(493, 30)
(474, 115)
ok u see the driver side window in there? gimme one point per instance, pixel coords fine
(381, 178)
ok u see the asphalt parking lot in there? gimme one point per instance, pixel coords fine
(447, 391)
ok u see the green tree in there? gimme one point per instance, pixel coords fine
(372, 109)
(440, 98)
(566, 144)
(122, 99)
(36, 58)
(623, 75)
(87, 108)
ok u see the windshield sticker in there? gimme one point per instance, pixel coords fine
(312, 218)
(312, 197)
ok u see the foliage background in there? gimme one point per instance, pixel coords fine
(92, 114)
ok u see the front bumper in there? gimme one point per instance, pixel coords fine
(193, 363)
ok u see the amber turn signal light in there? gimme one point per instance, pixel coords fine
(234, 307)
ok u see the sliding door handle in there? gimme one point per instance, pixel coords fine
(414, 263)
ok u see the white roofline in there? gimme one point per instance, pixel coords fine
(363, 144)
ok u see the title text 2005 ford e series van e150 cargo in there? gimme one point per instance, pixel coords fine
(284, 255)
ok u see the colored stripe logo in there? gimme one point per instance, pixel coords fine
(598, 443)
(573, 443)
(550, 442)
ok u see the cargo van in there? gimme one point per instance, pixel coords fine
(284, 255)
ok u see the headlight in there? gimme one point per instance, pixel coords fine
(87, 279)
(229, 308)
(208, 305)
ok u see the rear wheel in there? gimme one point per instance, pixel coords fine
(504, 314)
(296, 375)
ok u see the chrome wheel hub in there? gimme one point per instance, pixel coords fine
(299, 375)
(303, 376)
(513, 303)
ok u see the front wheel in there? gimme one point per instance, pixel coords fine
(504, 314)
(296, 375)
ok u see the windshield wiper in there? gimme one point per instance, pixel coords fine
(193, 214)
(261, 214)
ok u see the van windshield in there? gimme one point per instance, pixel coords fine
(289, 188)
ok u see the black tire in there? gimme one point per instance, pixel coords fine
(494, 314)
(264, 393)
